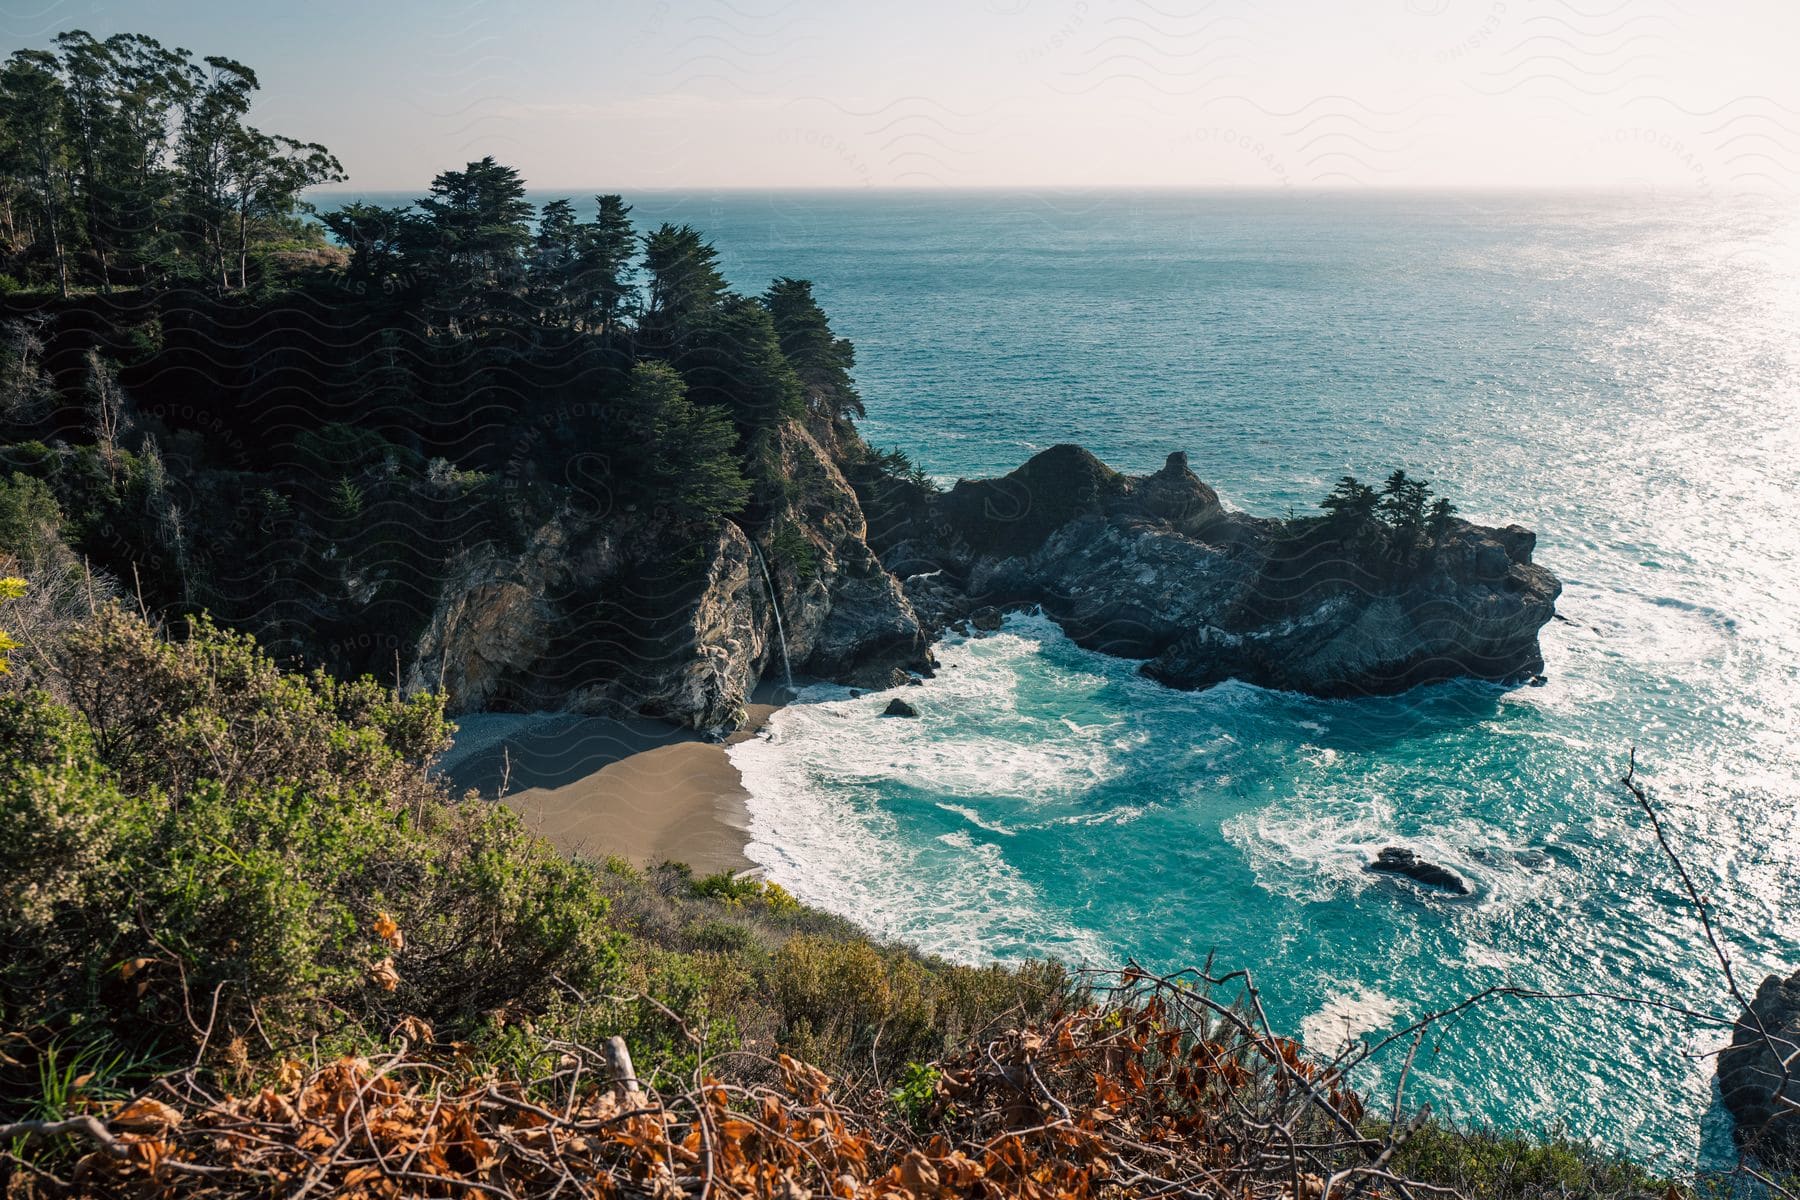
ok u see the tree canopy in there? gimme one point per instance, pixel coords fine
(124, 162)
(820, 358)
(448, 373)
(1401, 512)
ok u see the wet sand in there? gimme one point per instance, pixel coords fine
(641, 789)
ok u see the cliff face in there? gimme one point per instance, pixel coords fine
(846, 616)
(1762, 1095)
(594, 616)
(1154, 567)
(629, 615)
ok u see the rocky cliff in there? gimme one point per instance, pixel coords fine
(595, 615)
(1761, 1094)
(627, 614)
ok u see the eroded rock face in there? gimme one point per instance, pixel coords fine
(846, 616)
(1154, 567)
(493, 621)
(1764, 1100)
(625, 615)
(720, 647)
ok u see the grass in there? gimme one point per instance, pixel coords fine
(1490, 1165)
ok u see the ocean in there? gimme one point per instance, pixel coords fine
(1619, 373)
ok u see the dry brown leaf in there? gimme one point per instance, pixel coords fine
(145, 1115)
(917, 1173)
(384, 976)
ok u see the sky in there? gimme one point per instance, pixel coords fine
(578, 94)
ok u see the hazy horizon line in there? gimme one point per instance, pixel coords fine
(1262, 189)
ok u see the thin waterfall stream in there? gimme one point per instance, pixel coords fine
(787, 666)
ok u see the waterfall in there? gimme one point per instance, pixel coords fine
(787, 666)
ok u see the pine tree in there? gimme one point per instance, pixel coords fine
(821, 359)
(31, 524)
(380, 240)
(346, 499)
(682, 452)
(480, 227)
(554, 264)
(603, 271)
(685, 284)
(1438, 523)
(735, 361)
(1351, 505)
(1403, 501)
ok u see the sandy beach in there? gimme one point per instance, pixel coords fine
(647, 791)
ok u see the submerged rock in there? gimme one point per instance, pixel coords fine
(1764, 1099)
(1398, 860)
(899, 708)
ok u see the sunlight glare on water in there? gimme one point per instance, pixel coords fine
(1621, 375)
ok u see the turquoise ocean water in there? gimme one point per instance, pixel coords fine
(1621, 374)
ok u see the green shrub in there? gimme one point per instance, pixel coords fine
(339, 449)
(739, 891)
(838, 994)
(206, 842)
(200, 833)
(789, 546)
(11, 588)
(1484, 1165)
(917, 1093)
(32, 458)
(722, 937)
(30, 522)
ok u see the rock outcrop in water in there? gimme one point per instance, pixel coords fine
(1154, 567)
(1398, 860)
(1765, 1099)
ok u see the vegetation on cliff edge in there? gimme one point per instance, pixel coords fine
(226, 880)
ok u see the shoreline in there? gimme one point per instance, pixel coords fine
(645, 790)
